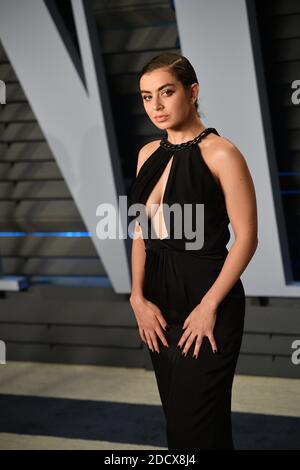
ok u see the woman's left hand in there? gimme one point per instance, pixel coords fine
(199, 323)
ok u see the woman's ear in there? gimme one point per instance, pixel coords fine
(194, 91)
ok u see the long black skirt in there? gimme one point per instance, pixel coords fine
(195, 393)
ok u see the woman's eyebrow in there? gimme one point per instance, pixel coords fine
(159, 88)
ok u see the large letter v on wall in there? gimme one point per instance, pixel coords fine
(73, 113)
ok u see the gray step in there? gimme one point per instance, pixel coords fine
(122, 41)
(14, 92)
(288, 73)
(268, 366)
(285, 27)
(34, 190)
(39, 210)
(60, 293)
(291, 116)
(292, 140)
(7, 73)
(68, 312)
(16, 112)
(105, 356)
(28, 246)
(19, 151)
(30, 171)
(119, 14)
(267, 320)
(268, 344)
(287, 49)
(284, 8)
(51, 266)
(21, 132)
(124, 63)
(93, 336)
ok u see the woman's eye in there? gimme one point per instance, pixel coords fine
(169, 92)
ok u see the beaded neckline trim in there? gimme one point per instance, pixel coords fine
(165, 143)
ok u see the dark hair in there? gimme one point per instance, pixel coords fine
(176, 64)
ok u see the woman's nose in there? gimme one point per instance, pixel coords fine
(157, 106)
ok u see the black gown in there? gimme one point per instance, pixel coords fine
(195, 393)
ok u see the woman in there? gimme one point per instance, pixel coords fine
(189, 301)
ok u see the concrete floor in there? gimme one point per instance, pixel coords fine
(57, 406)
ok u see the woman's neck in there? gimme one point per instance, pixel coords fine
(186, 133)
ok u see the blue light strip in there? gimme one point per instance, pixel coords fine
(45, 234)
(72, 281)
(290, 191)
(26, 282)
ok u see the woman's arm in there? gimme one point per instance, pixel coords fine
(231, 169)
(148, 315)
(138, 257)
(239, 192)
(138, 254)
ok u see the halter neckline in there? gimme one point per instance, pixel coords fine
(165, 143)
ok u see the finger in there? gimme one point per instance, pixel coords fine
(197, 346)
(183, 338)
(154, 340)
(188, 344)
(149, 341)
(161, 336)
(212, 342)
(186, 323)
(142, 335)
(161, 319)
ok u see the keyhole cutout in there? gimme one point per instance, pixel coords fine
(156, 197)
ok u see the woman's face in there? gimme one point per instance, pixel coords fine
(165, 100)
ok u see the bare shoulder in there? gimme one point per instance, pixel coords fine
(145, 152)
(222, 155)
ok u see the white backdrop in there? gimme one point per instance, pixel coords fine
(215, 37)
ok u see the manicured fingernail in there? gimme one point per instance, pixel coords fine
(178, 346)
(215, 351)
(184, 354)
(195, 357)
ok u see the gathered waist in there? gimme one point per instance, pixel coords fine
(210, 254)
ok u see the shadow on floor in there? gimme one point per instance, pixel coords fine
(130, 423)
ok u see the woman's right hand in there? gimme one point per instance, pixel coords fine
(150, 322)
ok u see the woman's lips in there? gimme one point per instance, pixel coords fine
(161, 118)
